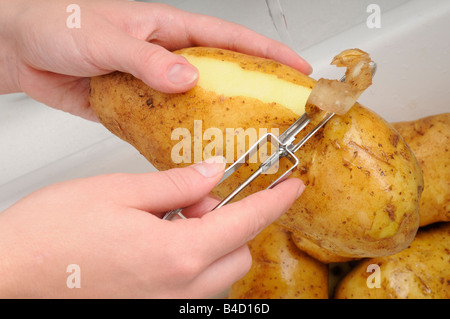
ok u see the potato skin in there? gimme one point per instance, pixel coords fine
(280, 270)
(422, 271)
(317, 252)
(429, 139)
(363, 182)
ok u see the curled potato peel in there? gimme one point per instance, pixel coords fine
(336, 96)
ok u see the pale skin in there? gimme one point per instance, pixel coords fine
(111, 225)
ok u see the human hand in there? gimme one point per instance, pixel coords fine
(52, 62)
(111, 227)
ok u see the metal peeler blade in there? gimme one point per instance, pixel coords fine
(285, 148)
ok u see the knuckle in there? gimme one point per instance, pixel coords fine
(234, 40)
(153, 57)
(190, 267)
(247, 261)
(186, 267)
(180, 181)
(145, 53)
(184, 263)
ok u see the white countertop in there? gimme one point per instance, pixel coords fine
(40, 145)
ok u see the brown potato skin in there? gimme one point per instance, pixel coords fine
(422, 271)
(280, 270)
(357, 170)
(351, 153)
(317, 252)
(429, 139)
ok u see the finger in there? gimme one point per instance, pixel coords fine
(235, 224)
(231, 268)
(171, 73)
(153, 64)
(213, 32)
(63, 92)
(201, 208)
(190, 29)
(159, 192)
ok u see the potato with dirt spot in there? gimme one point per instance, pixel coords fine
(363, 187)
(422, 271)
(280, 270)
(317, 252)
(429, 139)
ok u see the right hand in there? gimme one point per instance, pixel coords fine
(111, 227)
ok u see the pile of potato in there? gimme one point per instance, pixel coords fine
(369, 186)
(420, 271)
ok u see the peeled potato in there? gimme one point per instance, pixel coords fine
(421, 271)
(429, 139)
(237, 99)
(363, 182)
(280, 270)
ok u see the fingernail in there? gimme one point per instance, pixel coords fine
(182, 74)
(211, 167)
(300, 190)
(308, 69)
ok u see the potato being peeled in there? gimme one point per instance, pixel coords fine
(235, 96)
(363, 182)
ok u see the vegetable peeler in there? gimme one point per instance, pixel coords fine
(285, 147)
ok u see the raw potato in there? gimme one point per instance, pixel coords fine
(421, 271)
(363, 182)
(280, 270)
(363, 186)
(429, 139)
(321, 254)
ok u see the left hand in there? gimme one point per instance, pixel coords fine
(53, 62)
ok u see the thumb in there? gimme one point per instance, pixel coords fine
(159, 192)
(157, 67)
(233, 225)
